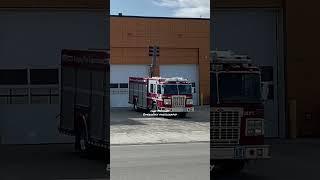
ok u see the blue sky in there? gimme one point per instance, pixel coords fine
(162, 8)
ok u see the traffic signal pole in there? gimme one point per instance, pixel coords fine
(154, 52)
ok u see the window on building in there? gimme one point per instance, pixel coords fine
(4, 96)
(124, 88)
(44, 96)
(44, 76)
(124, 85)
(40, 95)
(13, 77)
(13, 96)
(114, 85)
(54, 96)
(19, 96)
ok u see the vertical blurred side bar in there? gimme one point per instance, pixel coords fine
(293, 118)
(211, 61)
(107, 115)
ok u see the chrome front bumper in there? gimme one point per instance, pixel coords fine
(241, 152)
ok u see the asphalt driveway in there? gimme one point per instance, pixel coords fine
(130, 127)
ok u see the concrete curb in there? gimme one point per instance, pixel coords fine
(135, 144)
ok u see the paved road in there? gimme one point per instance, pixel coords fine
(292, 161)
(47, 162)
(160, 162)
(129, 127)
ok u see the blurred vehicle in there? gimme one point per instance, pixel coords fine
(172, 95)
(85, 104)
(236, 112)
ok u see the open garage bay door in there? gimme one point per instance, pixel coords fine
(33, 40)
(254, 32)
(119, 79)
(188, 71)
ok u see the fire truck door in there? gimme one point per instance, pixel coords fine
(152, 87)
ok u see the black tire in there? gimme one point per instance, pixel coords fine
(135, 108)
(154, 106)
(81, 143)
(84, 146)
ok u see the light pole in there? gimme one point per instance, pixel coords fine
(154, 52)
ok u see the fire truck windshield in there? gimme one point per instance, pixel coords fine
(177, 89)
(239, 87)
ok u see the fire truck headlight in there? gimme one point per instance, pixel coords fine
(255, 127)
(189, 101)
(167, 101)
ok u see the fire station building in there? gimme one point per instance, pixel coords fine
(278, 35)
(185, 51)
(265, 30)
(281, 36)
(183, 48)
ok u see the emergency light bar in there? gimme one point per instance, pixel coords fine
(229, 57)
(177, 79)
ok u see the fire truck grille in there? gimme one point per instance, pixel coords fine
(225, 128)
(178, 101)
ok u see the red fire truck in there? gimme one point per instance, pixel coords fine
(237, 112)
(172, 95)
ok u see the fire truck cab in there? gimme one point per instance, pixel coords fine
(236, 112)
(172, 95)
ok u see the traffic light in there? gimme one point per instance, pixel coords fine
(154, 51)
(151, 51)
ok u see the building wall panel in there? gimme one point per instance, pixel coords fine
(129, 55)
(34, 40)
(247, 3)
(85, 4)
(181, 41)
(302, 63)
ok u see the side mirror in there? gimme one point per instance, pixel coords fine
(193, 90)
(264, 91)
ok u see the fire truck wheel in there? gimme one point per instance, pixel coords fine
(154, 106)
(83, 144)
(81, 140)
(135, 108)
(135, 104)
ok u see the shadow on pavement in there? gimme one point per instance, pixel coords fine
(123, 116)
(194, 117)
(235, 176)
(53, 161)
(126, 122)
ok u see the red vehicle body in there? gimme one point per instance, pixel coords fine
(161, 94)
(237, 111)
(84, 107)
